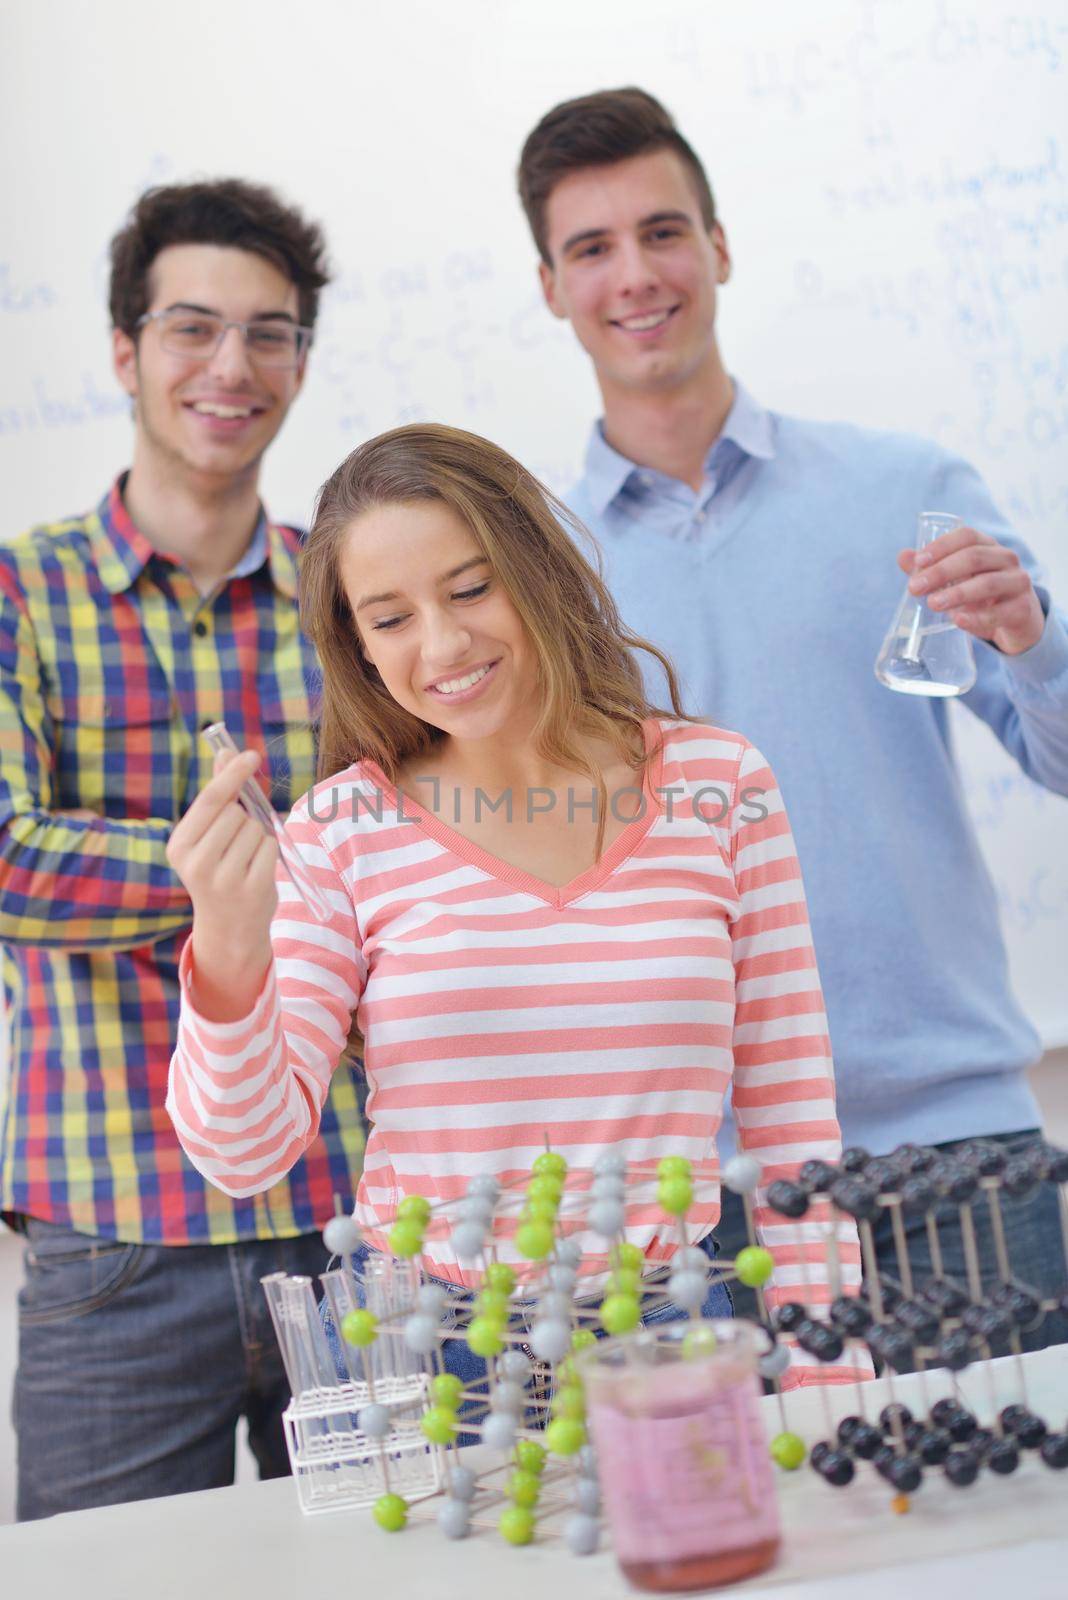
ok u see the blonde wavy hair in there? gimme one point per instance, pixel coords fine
(590, 680)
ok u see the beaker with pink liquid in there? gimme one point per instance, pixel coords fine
(682, 1456)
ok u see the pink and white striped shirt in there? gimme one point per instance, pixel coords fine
(498, 1011)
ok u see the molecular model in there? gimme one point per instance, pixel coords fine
(389, 1433)
(938, 1322)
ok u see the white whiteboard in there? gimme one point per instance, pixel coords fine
(892, 178)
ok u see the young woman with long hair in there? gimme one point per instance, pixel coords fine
(557, 912)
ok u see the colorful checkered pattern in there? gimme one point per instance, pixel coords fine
(111, 663)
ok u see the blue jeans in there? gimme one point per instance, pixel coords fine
(1033, 1238)
(137, 1361)
(471, 1369)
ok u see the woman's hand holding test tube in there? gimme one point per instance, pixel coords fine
(227, 861)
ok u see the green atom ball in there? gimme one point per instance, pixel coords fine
(524, 1488)
(390, 1512)
(753, 1266)
(675, 1195)
(447, 1388)
(545, 1186)
(625, 1280)
(582, 1339)
(360, 1328)
(629, 1257)
(700, 1340)
(484, 1337)
(552, 1162)
(565, 1436)
(570, 1402)
(673, 1167)
(406, 1238)
(500, 1276)
(416, 1208)
(788, 1450)
(540, 1209)
(530, 1455)
(534, 1239)
(517, 1524)
(493, 1304)
(438, 1425)
(620, 1313)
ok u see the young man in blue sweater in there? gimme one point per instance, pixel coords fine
(765, 555)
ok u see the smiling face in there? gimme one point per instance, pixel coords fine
(634, 270)
(210, 419)
(437, 624)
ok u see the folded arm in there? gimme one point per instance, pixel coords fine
(67, 880)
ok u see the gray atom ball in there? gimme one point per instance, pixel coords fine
(561, 1277)
(586, 1462)
(514, 1365)
(507, 1396)
(608, 1185)
(692, 1259)
(741, 1173)
(341, 1236)
(587, 1496)
(607, 1218)
(469, 1240)
(475, 1208)
(430, 1298)
(454, 1519)
(775, 1363)
(569, 1253)
(610, 1161)
(688, 1290)
(498, 1431)
(462, 1483)
(421, 1333)
(551, 1340)
(374, 1420)
(556, 1303)
(582, 1534)
(485, 1184)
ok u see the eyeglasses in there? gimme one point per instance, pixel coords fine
(197, 335)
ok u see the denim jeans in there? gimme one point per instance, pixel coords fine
(471, 1369)
(1033, 1237)
(137, 1361)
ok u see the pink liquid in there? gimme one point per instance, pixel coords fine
(687, 1482)
(701, 1572)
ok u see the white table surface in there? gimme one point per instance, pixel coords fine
(1000, 1537)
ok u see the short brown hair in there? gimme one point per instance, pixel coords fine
(589, 677)
(597, 130)
(229, 212)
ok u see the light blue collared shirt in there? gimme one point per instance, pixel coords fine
(615, 487)
(771, 588)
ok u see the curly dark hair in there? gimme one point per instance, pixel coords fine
(597, 130)
(226, 211)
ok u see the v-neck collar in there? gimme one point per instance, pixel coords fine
(623, 846)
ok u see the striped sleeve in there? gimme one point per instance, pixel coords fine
(783, 1089)
(245, 1097)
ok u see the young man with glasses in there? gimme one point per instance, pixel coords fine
(143, 1330)
(764, 554)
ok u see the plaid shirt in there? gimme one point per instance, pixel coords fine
(110, 664)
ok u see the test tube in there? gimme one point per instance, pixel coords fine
(341, 1298)
(255, 802)
(305, 1352)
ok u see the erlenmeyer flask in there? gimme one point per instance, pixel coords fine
(924, 653)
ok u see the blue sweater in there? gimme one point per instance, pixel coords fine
(771, 589)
